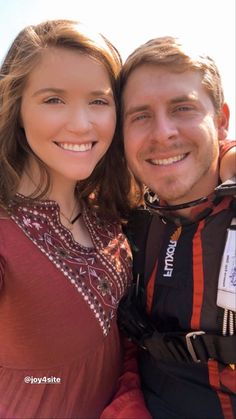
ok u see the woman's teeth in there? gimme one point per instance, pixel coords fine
(75, 147)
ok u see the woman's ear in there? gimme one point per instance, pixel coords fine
(223, 122)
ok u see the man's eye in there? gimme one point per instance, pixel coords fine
(184, 108)
(53, 100)
(140, 117)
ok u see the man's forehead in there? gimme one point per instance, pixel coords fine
(148, 82)
(149, 72)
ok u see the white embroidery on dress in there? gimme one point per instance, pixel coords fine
(101, 274)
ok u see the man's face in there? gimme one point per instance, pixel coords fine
(171, 133)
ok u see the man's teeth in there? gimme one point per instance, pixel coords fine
(164, 162)
(75, 147)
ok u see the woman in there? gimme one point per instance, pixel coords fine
(64, 262)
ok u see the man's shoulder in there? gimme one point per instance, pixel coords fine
(140, 214)
(139, 222)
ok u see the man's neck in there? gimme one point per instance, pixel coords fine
(195, 200)
(194, 213)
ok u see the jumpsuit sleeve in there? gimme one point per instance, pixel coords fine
(227, 167)
(225, 146)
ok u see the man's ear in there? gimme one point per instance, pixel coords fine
(223, 122)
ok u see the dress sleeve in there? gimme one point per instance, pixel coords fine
(1, 271)
(2, 261)
(128, 401)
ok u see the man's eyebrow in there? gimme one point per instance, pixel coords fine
(135, 109)
(184, 98)
(140, 108)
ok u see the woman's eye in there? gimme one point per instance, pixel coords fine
(99, 102)
(53, 100)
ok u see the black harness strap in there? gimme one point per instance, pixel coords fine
(194, 346)
(137, 231)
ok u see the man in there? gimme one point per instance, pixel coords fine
(174, 117)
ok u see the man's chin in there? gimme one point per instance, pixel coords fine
(171, 194)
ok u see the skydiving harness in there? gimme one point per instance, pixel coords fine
(194, 346)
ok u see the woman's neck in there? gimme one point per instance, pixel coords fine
(61, 190)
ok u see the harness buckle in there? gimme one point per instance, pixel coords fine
(188, 337)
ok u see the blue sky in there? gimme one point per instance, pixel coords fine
(209, 24)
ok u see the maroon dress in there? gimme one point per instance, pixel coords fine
(60, 354)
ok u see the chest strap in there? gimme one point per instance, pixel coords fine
(195, 346)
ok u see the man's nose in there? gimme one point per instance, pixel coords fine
(164, 128)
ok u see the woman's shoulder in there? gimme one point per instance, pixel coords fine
(99, 218)
(101, 227)
(3, 213)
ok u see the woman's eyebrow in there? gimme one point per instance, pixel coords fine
(48, 90)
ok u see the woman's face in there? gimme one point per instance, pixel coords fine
(68, 113)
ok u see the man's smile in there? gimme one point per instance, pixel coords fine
(167, 161)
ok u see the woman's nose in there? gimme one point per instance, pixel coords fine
(78, 120)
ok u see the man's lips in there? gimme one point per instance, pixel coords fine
(168, 161)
